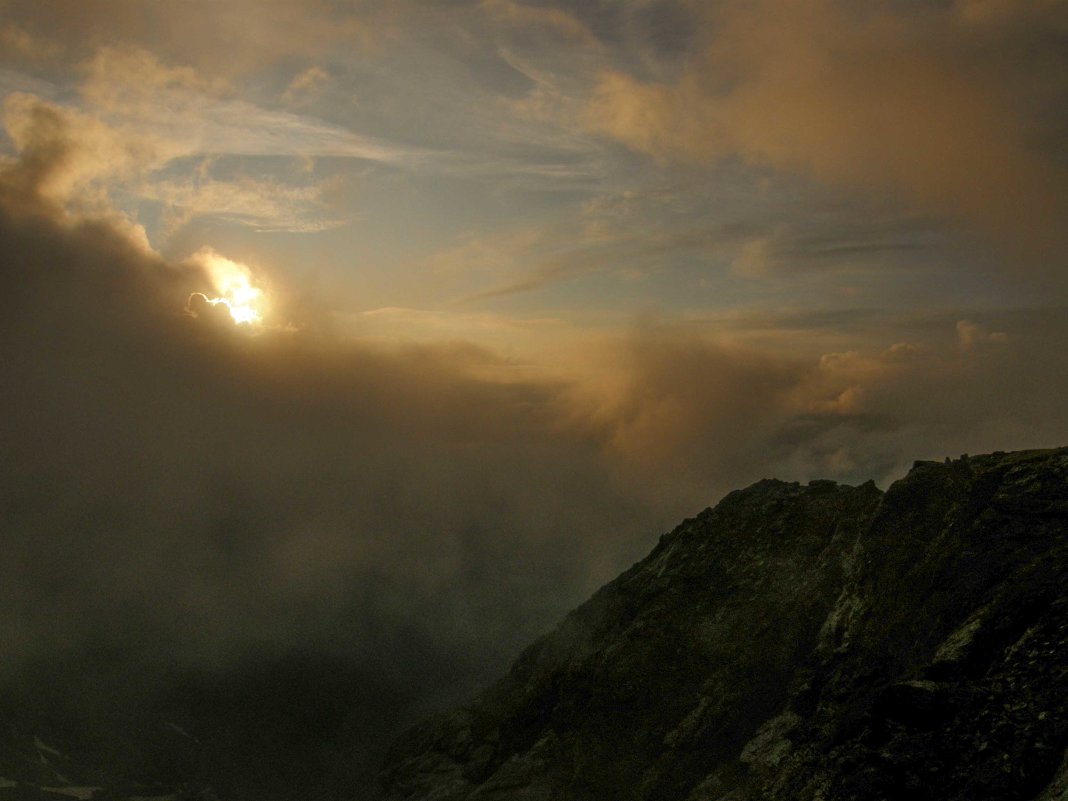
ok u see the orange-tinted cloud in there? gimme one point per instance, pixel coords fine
(224, 39)
(956, 108)
(63, 153)
(177, 490)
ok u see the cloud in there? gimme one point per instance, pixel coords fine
(669, 400)
(186, 502)
(309, 82)
(815, 244)
(63, 154)
(180, 492)
(260, 204)
(223, 39)
(188, 72)
(134, 82)
(132, 86)
(19, 45)
(973, 335)
(671, 234)
(66, 159)
(951, 106)
(520, 15)
(140, 118)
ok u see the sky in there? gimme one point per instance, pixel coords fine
(382, 333)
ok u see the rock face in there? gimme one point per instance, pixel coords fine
(797, 643)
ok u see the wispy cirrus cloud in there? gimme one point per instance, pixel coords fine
(263, 205)
(74, 160)
(138, 117)
(133, 87)
(214, 500)
(661, 232)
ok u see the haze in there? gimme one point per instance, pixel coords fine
(371, 337)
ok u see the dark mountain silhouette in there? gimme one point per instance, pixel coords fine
(797, 643)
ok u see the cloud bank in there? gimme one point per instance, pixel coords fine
(184, 501)
(956, 107)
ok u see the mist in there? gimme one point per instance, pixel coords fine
(292, 540)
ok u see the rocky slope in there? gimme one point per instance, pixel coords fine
(40, 762)
(801, 643)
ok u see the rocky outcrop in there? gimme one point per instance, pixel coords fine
(801, 643)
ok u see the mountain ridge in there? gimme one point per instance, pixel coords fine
(804, 642)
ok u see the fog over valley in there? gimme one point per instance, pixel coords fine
(347, 347)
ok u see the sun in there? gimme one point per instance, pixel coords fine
(233, 287)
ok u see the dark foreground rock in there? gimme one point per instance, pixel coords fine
(797, 643)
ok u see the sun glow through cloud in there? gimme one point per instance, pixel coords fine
(233, 287)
